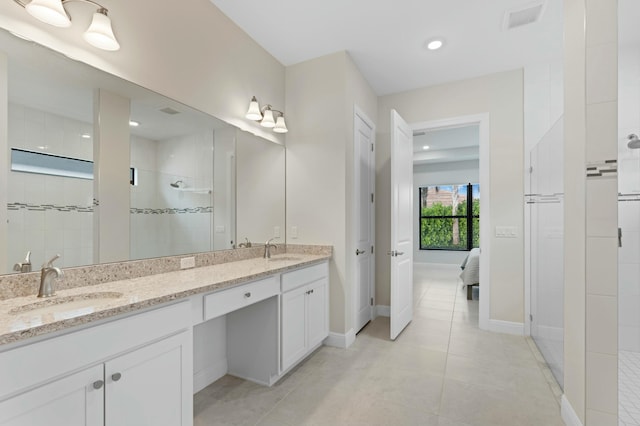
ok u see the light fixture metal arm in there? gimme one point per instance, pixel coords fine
(23, 4)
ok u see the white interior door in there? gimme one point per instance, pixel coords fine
(364, 164)
(401, 224)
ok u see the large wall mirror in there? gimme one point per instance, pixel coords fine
(194, 183)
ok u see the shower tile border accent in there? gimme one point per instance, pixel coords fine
(20, 285)
(602, 169)
(89, 209)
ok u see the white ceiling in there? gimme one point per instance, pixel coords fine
(446, 145)
(386, 38)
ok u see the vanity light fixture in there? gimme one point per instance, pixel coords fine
(265, 116)
(52, 12)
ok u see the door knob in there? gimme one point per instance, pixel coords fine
(98, 384)
(359, 251)
(399, 253)
(116, 376)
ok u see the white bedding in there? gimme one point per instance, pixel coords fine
(471, 272)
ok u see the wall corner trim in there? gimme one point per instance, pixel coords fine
(342, 341)
(568, 414)
(506, 327)
(382, 311)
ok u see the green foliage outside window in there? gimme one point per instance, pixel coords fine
(441, 229)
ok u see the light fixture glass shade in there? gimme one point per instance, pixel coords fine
(280, 126)
(267, 120)
(100, 34)
(50, 12)
(253, 113)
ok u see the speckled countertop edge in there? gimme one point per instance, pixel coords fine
(144, 292)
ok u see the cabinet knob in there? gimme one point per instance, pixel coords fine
(98, 384)
(116, 376)
(247, 294)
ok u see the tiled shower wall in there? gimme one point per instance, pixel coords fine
(49, 215)
(629, 201)
(165, 220)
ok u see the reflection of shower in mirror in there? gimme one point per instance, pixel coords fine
(177, 184)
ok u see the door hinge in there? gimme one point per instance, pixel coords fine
(619, 237)
(372, 197)
(371, 147)
(530, 317)
(530, 169)
(371, 249)
(371, 301)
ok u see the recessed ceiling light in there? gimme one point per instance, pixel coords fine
(425, 147)
(133, 123)
(86, 136)
(434, 44)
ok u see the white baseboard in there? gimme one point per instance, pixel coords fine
(383, 311)
(568, 414)
(342, 341)
(206, 376)
(506, 327)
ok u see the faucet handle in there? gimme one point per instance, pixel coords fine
(27, 258)
(271, 239)
(49, 264)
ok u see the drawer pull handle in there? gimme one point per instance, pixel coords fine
(247, 294)
(116, 376)
(98, 384)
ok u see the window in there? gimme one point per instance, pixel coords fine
(449, 217)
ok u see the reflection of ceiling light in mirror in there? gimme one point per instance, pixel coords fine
(133, 123)
(425, 147)
(86, 136)
(43, 147)
(434, 44)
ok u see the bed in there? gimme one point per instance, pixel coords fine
(470, 274)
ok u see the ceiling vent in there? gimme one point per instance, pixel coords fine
(524, 15)
(170, 111)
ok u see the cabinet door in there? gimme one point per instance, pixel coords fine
(317, 315)
(293, 326)
(147, 387)
(70, 401)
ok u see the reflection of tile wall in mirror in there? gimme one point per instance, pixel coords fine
(51, 108)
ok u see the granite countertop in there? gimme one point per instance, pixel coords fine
(21, 318)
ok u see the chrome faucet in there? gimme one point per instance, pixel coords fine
(267, 248)
(47, 274)
(24, 266)
(246, 244)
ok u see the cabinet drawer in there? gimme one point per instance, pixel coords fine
(294, 279)
(223, 302)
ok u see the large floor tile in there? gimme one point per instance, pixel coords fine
(441, 371)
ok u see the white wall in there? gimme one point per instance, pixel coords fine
(500, 95)
(49, 226)
(460, 173)
(321, 94)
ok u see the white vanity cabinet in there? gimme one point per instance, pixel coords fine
(132, 371)
(304, 312)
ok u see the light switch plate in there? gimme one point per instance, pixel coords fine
(187, 262)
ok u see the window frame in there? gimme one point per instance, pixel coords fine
(469, 217)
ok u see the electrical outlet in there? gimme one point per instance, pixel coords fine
(187, 262)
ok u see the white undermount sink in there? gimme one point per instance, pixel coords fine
(64, 304)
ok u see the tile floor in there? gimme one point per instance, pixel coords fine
(629, 397)
(442, 370)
